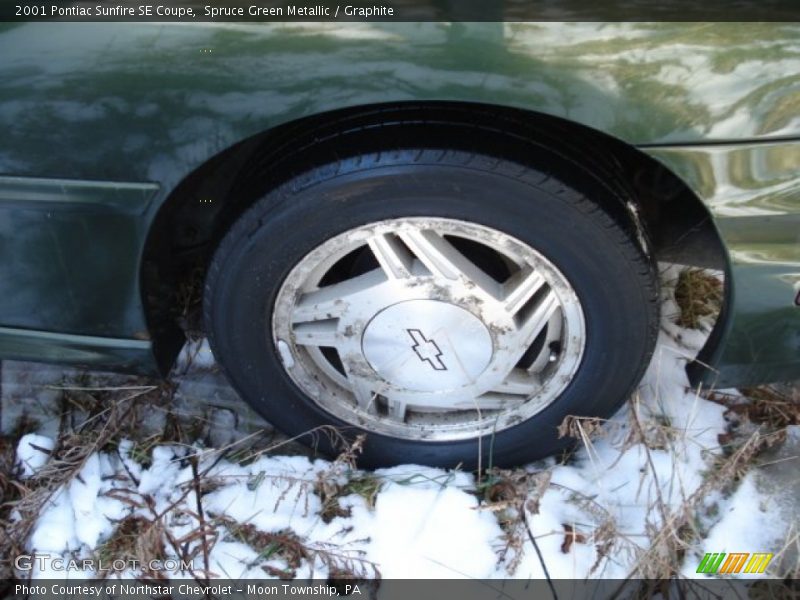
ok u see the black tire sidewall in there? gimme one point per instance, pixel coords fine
(592, 252)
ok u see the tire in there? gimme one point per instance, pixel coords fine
(451, 402)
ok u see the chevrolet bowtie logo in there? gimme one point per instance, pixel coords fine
(427, 350)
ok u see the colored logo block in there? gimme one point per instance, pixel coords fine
(734, 562)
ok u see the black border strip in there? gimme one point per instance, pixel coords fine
(361, 589)
(401, 10)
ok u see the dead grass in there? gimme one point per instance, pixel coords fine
(189, 302)
(332, 491)
(343, 479)
(10, 492)
(757, 422)
(512, 494)
(135, 538)
(95, 419)
(289, 548)
(579, 428)
(767, 410)
(770, 406)
(105, 416)
(365, 485)
(284, 545)
(698, 295)
(679, 529)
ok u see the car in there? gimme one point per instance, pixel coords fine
(445, 236)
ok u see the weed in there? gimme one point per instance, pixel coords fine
(579, 427)
(189, 300)
(108, 418)
(509, 494)
(366, 485)
(284, 544)
(141, 450)
(770, 406)
(287, 546)
(571, 536)
(331, 491)
(135, 538)
(698, 294)
(761, 413)
(338, 481)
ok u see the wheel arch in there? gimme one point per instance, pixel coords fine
(200, 209)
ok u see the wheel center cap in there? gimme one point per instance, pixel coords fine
(427, 346)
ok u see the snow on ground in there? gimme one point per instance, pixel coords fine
(745, 526)
(33, 450)
(629, 479)
(762, 513)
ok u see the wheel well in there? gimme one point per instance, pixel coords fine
(199, 211)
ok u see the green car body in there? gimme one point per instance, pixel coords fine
(107, 128)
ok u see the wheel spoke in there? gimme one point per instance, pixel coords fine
(362, 389)
(331, 301)
(396, 410)
(394, 258)
(317, 333)
(366, 391)
(444, 260)
(365, 397)
(518, 382)
(521, 288)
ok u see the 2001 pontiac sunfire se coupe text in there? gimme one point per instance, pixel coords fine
(433, 233)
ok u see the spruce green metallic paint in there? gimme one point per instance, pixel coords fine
(70, 253)
(79, 350)
(141, 105)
